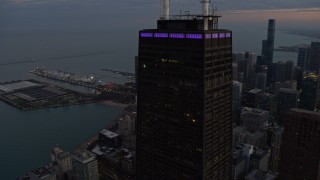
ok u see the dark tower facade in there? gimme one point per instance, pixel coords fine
(314, 61)
(303, 57)
(309, 91)
(184, 100)
(300, 148)
(268, 48)
(268, 44)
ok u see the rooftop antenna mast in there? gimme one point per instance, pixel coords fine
(213, 10)
(205, 13)
(165, 9)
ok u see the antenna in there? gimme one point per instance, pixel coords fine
(213, 10)
(205, 11)
(165, 9)
(205, 7)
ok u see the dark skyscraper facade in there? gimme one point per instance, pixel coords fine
(267, 50)
(309, 90)
(268, 44)
(184, 100)
(300, 148)
(303, 56)
(314, 61)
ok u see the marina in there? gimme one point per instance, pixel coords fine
(125, 74)
(87, 81)
(32, 94)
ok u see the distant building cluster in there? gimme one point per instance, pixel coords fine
(276, 112)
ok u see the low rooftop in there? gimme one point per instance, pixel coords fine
(109, 134)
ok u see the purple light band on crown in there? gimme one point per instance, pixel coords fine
(161, 35)
(146, 34)
(176, 35)
(194, 36)
(185, 36)
(215, 36)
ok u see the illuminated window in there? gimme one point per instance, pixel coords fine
(215, 36)
(222, 35)
(194, 36)
(208, 36)
(161, 35)
(146, 34)
(176, 35)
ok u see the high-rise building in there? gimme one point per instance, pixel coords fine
(289, 70)
(256, 174)
(62, 160)
(84, 166)
(250, 97)
(184, 107)
(300, 148)
(287, 99)
(309, 91)
(241, 135)
(303, 56)
(235, 71)
(238, 164)
(251, 60)
(286, 85)
(127, 130)
(246, 62)
(268, 48)
(239, 60)
(274, 134)
(259, 159)
(109, 138)
(267, 102)
(298, 76)
(314, 61)
(268, 44)
(236, 100)
(278, 72)
(318, 98)
(238, 152)
(260, 81)
(254, 119)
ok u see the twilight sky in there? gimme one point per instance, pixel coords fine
(292, 9)
(222, 4)
(126, 17)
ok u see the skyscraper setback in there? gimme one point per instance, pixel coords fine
(184, 99)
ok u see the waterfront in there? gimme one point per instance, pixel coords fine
(28, 137)
(91, 42)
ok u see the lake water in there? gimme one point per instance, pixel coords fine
(28, 137)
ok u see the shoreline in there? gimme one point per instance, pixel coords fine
(111, 103)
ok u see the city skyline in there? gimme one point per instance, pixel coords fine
(92, 47)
